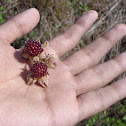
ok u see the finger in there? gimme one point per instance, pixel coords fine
(69, 39)
(100, 75)
(19, 25)
(92, 54)
(99, 100)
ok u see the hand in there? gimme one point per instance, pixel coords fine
(76, 87)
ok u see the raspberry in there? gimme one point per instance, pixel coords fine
(32, 48)
(39, 69)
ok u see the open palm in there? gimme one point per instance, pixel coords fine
(76, 87)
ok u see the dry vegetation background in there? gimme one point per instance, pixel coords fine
(57, 16)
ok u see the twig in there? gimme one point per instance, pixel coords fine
(109, 12)
(10, 8)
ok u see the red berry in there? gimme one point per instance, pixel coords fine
(32, 48)
(39, 69)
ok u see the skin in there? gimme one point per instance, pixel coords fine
(77, 87)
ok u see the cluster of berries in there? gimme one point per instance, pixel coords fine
(33, 51)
